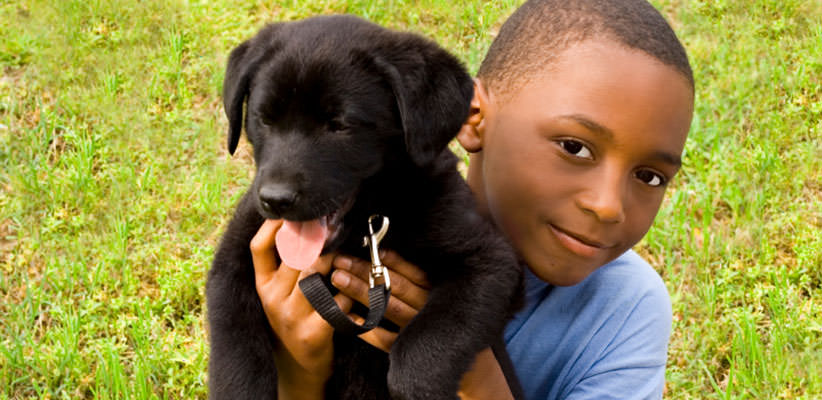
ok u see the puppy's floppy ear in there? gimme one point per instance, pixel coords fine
(235, 90)
(433, 94)
(243, 62)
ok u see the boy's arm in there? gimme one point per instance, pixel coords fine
(304, 350)
(485, 380)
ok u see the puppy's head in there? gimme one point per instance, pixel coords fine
(327, 101)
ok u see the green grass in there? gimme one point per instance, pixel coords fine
(115, 185)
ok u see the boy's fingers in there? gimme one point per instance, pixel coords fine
(392, 260)
(322, 265)
(265, 236)
(284, 280)
(263, 249)
(377, 337)
(354, 283)
(295, 310)
(397, 311)
(405, 268)
(290, 278)
(273, 282)
(351, 285)
(344, 302)
(407, 291)
(353, 265)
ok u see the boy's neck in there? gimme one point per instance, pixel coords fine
(474, 180)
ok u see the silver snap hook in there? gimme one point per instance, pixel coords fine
(378, 271)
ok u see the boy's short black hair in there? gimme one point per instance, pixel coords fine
(542, 29)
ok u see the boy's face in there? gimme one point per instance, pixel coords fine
(573, 167)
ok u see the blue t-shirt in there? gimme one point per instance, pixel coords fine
(604, 338)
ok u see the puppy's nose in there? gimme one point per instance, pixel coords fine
(277, 198)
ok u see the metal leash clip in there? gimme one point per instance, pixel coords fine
(373, 241)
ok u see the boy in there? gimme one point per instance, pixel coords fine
(578, 122)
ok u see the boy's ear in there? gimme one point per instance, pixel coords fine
(472, 132)
(243, 63)
(433, 93)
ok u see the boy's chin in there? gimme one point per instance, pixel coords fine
(562, 271)
(563, 279)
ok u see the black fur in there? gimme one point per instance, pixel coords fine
(339, 108)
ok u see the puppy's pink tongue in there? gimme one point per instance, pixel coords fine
(300, 243)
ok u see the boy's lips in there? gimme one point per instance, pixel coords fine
(577, 244)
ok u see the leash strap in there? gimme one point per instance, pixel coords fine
(317, 293)
(507, 366)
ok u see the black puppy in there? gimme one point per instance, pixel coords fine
(348, 119)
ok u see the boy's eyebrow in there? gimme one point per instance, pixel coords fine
(668, 158)
(606, 133)
(590, 125)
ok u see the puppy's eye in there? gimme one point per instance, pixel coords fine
(576, 149)
(335, 126)
(651, 178)
(265, 119)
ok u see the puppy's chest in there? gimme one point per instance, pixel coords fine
(421, 209)
(395, 239)
(409, 241)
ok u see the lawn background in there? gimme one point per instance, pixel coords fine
(115, 186)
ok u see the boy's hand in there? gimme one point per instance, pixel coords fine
(409, 292)
(304, 351)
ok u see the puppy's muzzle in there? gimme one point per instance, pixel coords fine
(277, 198)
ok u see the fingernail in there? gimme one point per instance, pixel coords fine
(343, 262)
(383, 253)
(340, 279)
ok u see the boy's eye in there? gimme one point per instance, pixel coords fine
(576, 148)
(650, 178)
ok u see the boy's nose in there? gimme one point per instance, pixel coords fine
(604, 199)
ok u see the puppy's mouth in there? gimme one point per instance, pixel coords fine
(300, 243)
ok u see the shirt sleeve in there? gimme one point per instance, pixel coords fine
(632, 365)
